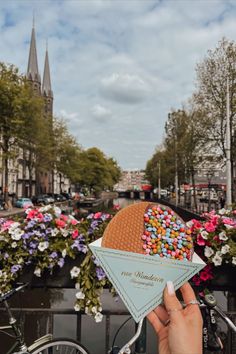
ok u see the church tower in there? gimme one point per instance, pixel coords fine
(32, 70)
(47, 92)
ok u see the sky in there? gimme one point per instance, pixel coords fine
(117, 66)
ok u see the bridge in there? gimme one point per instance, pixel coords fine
(136, 194)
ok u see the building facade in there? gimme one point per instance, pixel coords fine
(23, 181)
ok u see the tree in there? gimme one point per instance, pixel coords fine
(212, 74)
(11, 121)
(66, 158)
(34, 140)
(97, 171)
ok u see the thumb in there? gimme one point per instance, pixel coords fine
(172, 304)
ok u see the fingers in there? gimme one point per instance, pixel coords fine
(155, 321)
(161, 313)
(187, 293)
(172, 304)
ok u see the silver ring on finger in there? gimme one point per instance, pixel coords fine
(192, 302)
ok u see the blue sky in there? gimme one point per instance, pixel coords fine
(117, 66)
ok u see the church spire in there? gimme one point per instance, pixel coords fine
(46, 88)
(32, 70)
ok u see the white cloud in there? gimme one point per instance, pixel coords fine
(125, 88)
(101, 112)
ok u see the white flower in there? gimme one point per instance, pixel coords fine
(80, 295)
(208, 251)
(54, 232)
(16, 234)
(37, 272)
(204, 234)
(222, 211)
(63, 253)
(74, 272)
(228, 227)
(77, 307)
(217, 259)
(234, 260)
(94, 309)
(77, 286)
(57, 211)
(223, 236)
(64, 232)
(86, 310)
(189, 223)
(45, 208)
(225, 249)
(13, 226)
(43, 245)
(14, 244)
(98, 317)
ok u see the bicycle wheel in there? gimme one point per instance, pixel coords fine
(60, 346)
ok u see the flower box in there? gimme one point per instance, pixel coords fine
(224, 278)
(59, 278)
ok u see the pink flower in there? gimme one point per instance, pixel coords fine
(64, 217)
(196, 280)
(75, 234)
(73, 221)
(32, 214)
(60, 223)
(206, 274)
(97, 215)
(6, 225)
(210, 227)
(200, 240)
(196, 224)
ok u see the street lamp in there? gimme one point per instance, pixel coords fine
(228, 151)
(159, 180)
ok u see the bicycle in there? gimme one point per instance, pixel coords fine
(49, 345)
(44, 345)
(211, 338)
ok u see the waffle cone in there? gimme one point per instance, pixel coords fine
(125, 230)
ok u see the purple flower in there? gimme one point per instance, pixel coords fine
(47, 217)
(53, 255)
(94, 224)
(31, 223)
(26, 236)
(95, 261)
(61, 262)
(100, 273)
(33, 244)
(6, 255)
(15, 268)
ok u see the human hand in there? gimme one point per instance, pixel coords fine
(179, 330)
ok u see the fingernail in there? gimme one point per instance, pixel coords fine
(170, 287)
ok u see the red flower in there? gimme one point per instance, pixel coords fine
(200, 240)
(210, 227)
(60, 223)
(75, 234)
(97, 215)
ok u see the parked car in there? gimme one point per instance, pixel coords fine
(42, 199)
(59, 197)
(23, 203)
(68, 196)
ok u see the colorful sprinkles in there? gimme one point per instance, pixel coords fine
(166, 235)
